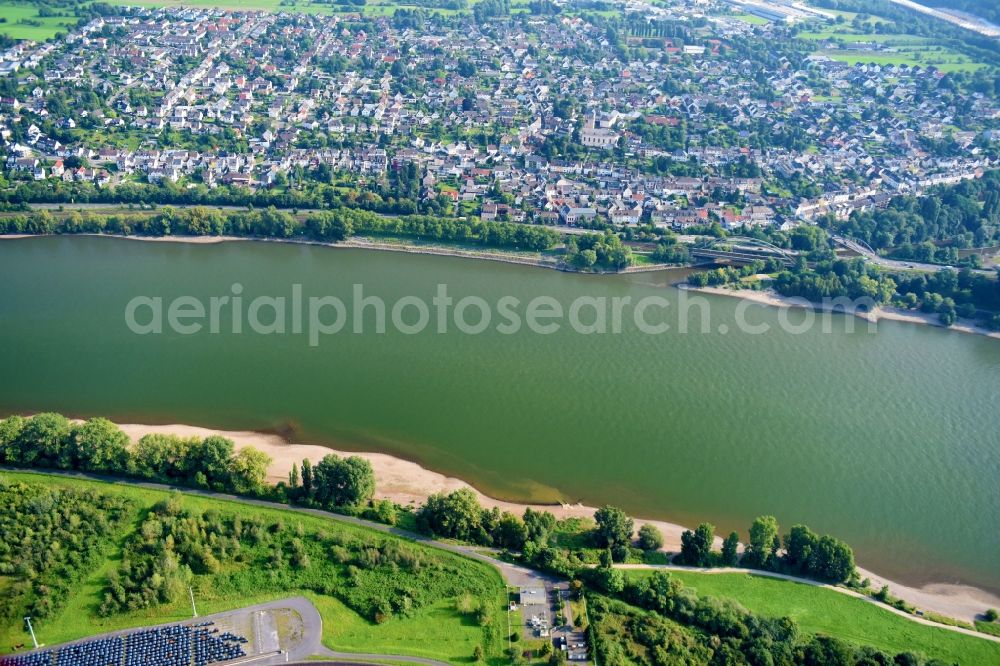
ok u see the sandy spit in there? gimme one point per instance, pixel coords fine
(409, 484)
(774, 299)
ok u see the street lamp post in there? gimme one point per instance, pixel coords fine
(31, 631)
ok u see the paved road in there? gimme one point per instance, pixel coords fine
(895, 264)
(310, 644)
(973, 23)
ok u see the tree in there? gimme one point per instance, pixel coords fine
(826, 651)
(43, 441)
(764, 541)
(457, 515)
(248, 470)
(343, 481)
(478, 654)
(10, 432)
(511, 532)
(98, 445)
(539, 524)
(609, 580)
(799, 545)
(730, 544)
(650, 538)
(613, 527)
(212, 457)
(293, 476)
(307, 479)
(832, 560)
(696, 547)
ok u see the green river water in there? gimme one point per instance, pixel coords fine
(888, 440)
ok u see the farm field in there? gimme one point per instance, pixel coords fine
(944, 60)
(822, 611)
(15, 26)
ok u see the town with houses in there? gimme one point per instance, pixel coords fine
(534, 119)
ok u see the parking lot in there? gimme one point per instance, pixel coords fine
(545, 616)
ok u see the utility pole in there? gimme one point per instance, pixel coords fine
(507, 589)
(191, 594)
(31, 630)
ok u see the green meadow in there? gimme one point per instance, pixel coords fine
(943, 60)
(23, 22)
(822, 611)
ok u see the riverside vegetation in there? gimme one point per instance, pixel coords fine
(151, 545)
(321, 226)
(137, 572)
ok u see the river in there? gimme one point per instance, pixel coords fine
(888, 440)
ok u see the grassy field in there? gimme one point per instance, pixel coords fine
(822, 611)
(15, 26)
(436, 630)
(751, 19)
(944, 60)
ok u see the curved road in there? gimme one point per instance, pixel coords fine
(896, 264)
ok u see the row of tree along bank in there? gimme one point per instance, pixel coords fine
(52, 441)
(325, 226)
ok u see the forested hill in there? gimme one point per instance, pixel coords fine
(987, 9)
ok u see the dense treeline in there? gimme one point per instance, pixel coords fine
(679, 627)
(50, 440)
(458, 515)
(315, 192)
(336, 482)
(949, 294)
(327, 226)
(963, 215)
(952, 294)
(597, 251)
(50, 539)
(830, 279)
(491, 234)
(805, 553)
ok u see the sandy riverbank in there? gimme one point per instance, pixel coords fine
(409, 484)
(774, 299)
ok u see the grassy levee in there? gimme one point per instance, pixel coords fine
(435, 630)
(822, 611)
